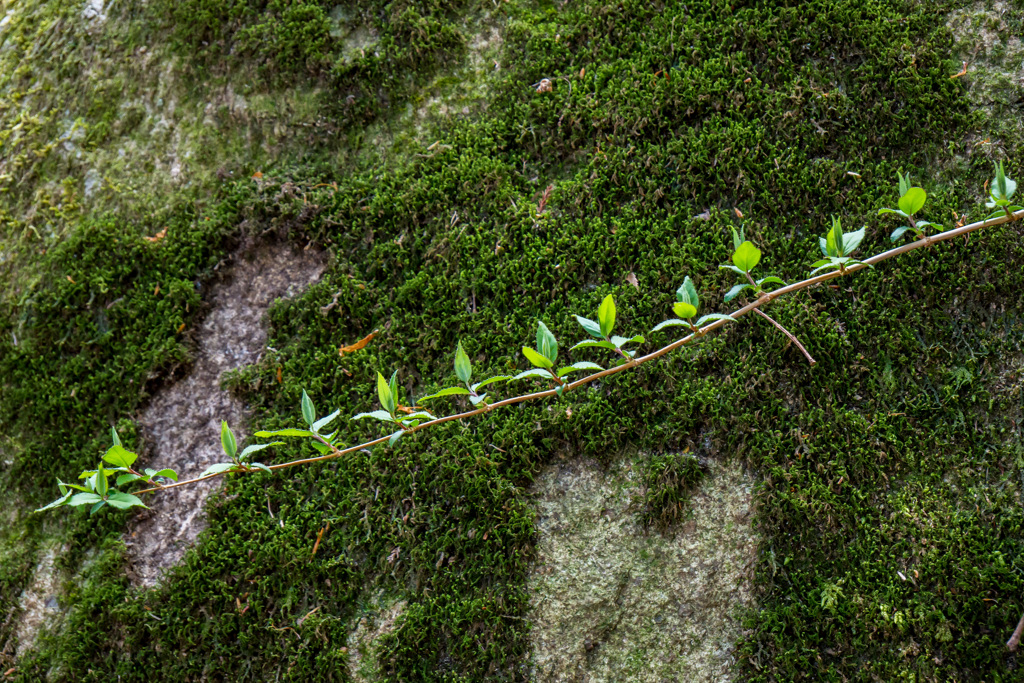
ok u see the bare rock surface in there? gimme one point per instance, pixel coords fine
(181, 425)
(38, 604)
(614, 602)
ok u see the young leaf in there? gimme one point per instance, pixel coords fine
(123, 501)
(218, 468)
(249, 450)
(912, 201)
(898, 233)
(118, 456)
(546, 343)
(538, 360)
(463, 368)
(583, 365)
(687, 294)
(593, 343)
(84, 499)
(746, 257)
(734, 292)
(393, 386)
(127, 479)
(771, 279)
(592, 328)
(57, 503)
(710, 317)
(672, 322)
(617, 341)
(491, 380)
(852, 240)
(266, 469)
(395, 437)
(100, 479)
(308, 413)
(451, 391)
(904, 183)
(532, 373)
(733, 269)
(737, 238)
(476, 400)
(227, 439)
(114, 438)
(283, 432)
(170, 474)
(684, 309)
(324, 421)
(898, 213)
(606, 314)
(387, 400)
(382, 415)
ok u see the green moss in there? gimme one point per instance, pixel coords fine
(668, 480)
(890, 505)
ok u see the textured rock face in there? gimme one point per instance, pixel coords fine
(181, 425)
(614, 602)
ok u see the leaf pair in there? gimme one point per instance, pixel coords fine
(911, 201)
(1001, 192)
(543, 359)
(464, 371)
(686, 307)
(601, 331)
(745, 258)
(837, 246)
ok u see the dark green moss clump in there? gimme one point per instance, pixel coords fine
(668, 479)
(890, 499)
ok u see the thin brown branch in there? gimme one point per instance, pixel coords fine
(1014, 640)
(786, 332)
(765, 299)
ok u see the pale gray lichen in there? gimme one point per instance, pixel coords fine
(612, 601)
(39, 604)
(376, 618)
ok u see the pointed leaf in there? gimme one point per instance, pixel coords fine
(100, 479)
(475, 400)
(546, 343)
(895, 211)
(463, 367)
(263, 467)
(169, 473)
(735, 292)
(256, 447)
(590, 326)
(606, 314)
(308, 412)
(382, 415)
(57, 503)
(592, 343)
(395, 437)
(451, 391)
(491, 380)
(533, 373)
(536, 359)
(737, 238)
(324, 421)
(119, 456)
(732, 268)
(123, 501)
(669, 323)
(218, 468)
(904, 183)
(898, 233)
(227, 439)
(283, 432)
(84, 499)
(127, 479)
(619, 341)
(687, 293)
(114, 438)
(852, 240)
(710, 317)
(387, 401)
(393, 386)
(771, 279)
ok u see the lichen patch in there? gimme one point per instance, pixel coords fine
(612, 601)
(39, 604)
(375, 620)
(181, 425)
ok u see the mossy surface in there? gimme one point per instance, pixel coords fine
(890, 505)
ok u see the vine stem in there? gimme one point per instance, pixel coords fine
(765, 299)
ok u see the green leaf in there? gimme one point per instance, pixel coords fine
(382, 415)
(532, 373)
(123, 501)
(475, 400)
(737, 238)
(898, 233)
(97, 506)
(170, 474)
(592, 328)
(227, 439)
(771, 279)
(491, 380)
(684, 309)
(308, 412)
(895, 211)
(387, 400)
(852, 240)
(712, 317)
(687, 294)
(321, 447)
(451, 391)
(592, 343)
(823, 243)
(537, 359)
(418, 415)
(582, 365)
(606, 314)
(904, 183)
(324, 421)
(84, 499)
(395, 437)
(100, 479)
(746, 257)
(546, 343)
(463, 368)
(218, 468)
(284, 432)
(672, 322)
(119, 456)
(619, 341)
(834, 239)
(114, 438)
(266, 469)
(57, 503)
(912, 201)
(256, 447)
(735, 292)
(733, 269)
(127, 479)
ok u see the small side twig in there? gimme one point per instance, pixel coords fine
(1014, 640)
(786, 332)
